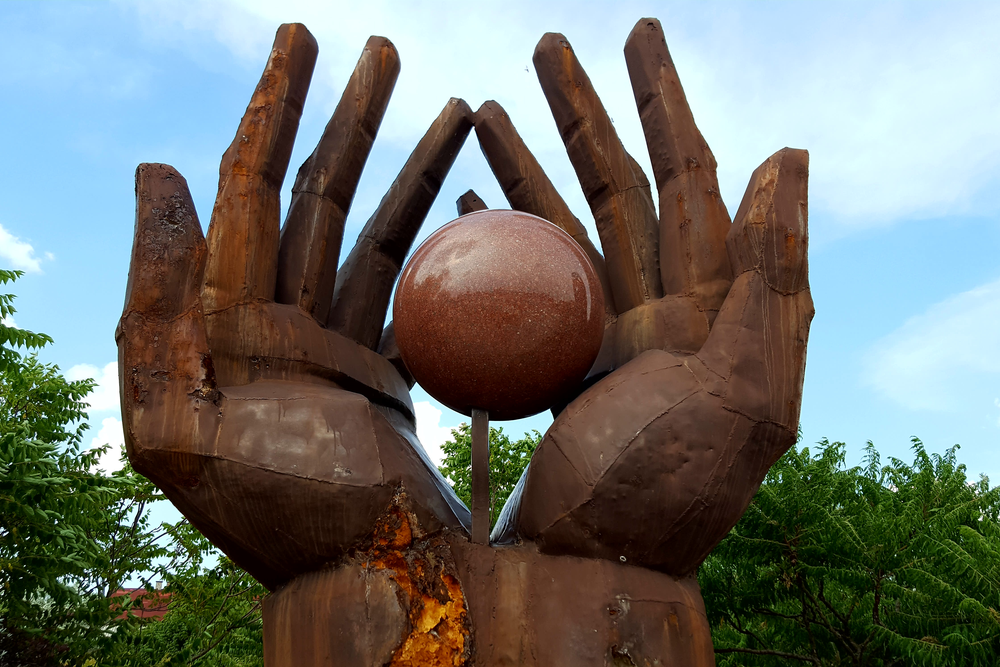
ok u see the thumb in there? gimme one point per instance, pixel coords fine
(757, 346)
(165, 369)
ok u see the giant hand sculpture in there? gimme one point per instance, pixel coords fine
(261, 395)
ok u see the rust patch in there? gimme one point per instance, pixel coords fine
(789, 242)
(422, 568)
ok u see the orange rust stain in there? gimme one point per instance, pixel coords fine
(438, 635)
(673, 623)
(789, 243)
(437, 613)
(393, 530)
(384, 54)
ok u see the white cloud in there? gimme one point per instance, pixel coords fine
(18, 254)
(944, 359)
(888, 98)
(432, 435)
(113, 434)
(240, 32)
(8, 321)
(889, 103)
(105, 394)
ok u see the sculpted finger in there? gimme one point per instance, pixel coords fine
(626, 220)
(675, 144)
(326, 183)
(243, 236)
(693, 219)
(365, 282)
(757, 347)
(526, 186)
(770, 235)
(470, 202)
(641, 180)
(389, 349)
(166, 376)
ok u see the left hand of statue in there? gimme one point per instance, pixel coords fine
(253, 389)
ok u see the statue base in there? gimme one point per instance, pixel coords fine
(452, 602)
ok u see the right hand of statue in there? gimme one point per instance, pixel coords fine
(698, 387)
(253, 389)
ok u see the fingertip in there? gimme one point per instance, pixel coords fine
(770, 233)
(799, 157)
(456, 120)
(794, 163)
(470, 202)
(150, 176)
(295, 36)
(550, 39)
(377, 42)
(551, 43)
(646, 52)
(386, 50)
(463, 106)
(146, 167)
(294, 44)
(460, 108)
(169, 246)
(489, 112)
(645, 27)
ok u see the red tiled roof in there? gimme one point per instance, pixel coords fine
(152, 605)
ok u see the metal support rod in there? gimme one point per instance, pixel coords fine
(480, 477)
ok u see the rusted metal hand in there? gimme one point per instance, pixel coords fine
(253, 390)
(698, 387)
(259, 392)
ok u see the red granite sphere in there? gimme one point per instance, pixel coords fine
(501, 311)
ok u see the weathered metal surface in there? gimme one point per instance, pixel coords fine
(280, 439)
(325, 185)
(470, 203)
(612, 182)
(244, 236)
(292, 446)
(515, 606)
(371, 269)
(693, 219)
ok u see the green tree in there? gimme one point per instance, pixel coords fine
(12, 337)
(71, 536)
(213, 617)
(48, 498)
(507, 461)
(894, 564)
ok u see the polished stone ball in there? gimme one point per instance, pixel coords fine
(501, 311)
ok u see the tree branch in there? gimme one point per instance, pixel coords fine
(777, 654)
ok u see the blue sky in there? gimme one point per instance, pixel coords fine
(896, 102)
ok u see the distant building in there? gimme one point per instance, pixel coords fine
(153, 604)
